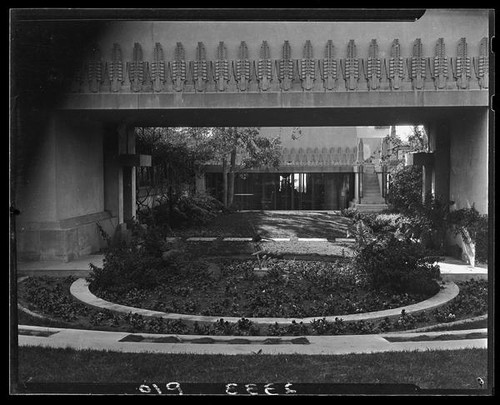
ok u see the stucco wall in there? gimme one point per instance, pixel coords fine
(35, 190)
(327, 137)
(450, 24)
(79, 174)
(469, 160)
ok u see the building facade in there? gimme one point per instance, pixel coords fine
(80, 87)
(319, 169)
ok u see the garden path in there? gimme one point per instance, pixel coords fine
(315, 345)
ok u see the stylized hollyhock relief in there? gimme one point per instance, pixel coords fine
(178, 67)
(221, 68)
(440, 65)
(396, 66)
(285, 66)
(418, 65)
(136, 69)
(242, 67)
(329, 67)
(199, 68)
(373, 66)
(307, 67)
(481, 64)
(461, 67)
(115, 68)
(351, 67)
(158, 68)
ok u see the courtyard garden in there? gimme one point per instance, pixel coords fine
(390, 262)
(323, 266)
(201, 278)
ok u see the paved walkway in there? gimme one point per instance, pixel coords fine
(230, 345)
(456, 270)
(451, 269)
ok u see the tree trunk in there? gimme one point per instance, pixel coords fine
(224, 181)
(232, 169)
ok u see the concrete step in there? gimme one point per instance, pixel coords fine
(373, 199)
(372, 202)
(78, 267)
(370, 207)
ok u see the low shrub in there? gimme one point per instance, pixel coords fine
(186, 210)
(402, 266)
(199, 208)
(135, 265)
(349, 212)
(405, 190)
(222, 328)
(476, 225)
(53, 300)
(244, 327)
(472, 300)
(292, 329)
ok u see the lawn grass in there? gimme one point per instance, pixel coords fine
(449, 369)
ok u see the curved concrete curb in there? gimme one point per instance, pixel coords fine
(318, 345)
(431, 328)
(79, 289)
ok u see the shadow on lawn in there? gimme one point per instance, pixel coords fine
(274, 225)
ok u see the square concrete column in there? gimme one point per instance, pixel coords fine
(427, 184)
(358, 183)
(200, 183)
(113, 175)
(126, 145)
(439, 142)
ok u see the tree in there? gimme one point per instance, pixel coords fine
(418, 141)
(405, 191)
(253, 149)
(177, 154)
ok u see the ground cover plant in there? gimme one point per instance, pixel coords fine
(45, 295)
(292, 288)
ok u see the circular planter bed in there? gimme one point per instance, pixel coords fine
(289, 289)
(51, 298)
